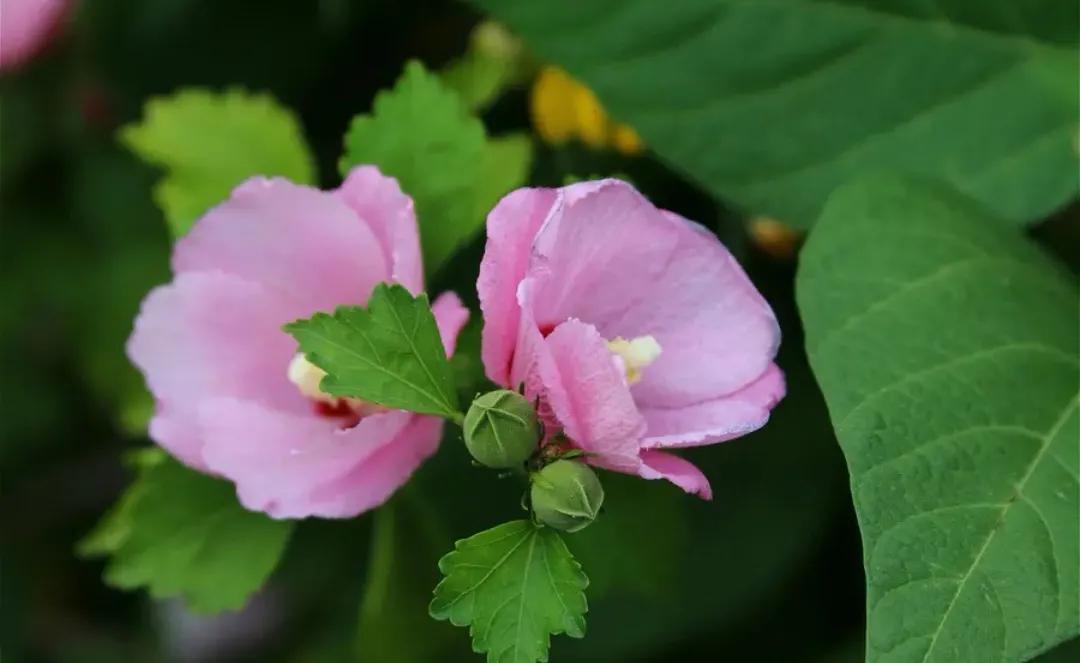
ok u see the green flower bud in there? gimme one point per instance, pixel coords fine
(566, 495)
(501, 429)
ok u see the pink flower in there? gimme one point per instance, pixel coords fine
(635, 328)
(26, 26)
(233, 397)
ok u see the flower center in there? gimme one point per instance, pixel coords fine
(307, 376)
(635, 354)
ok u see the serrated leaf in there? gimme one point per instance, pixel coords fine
(798, 96)
(422, 133)
(389, 353)
(514, 585)
(946, 347)
(209, 142)
(180, 533)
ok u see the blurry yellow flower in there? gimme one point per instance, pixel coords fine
(563, 110)
(774, 238)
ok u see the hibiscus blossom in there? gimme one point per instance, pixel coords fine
(234, 398)
(26, 26)
(635, 329)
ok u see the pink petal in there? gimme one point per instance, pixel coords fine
(681, 472)
(379, 201)
(450, 316)
(26, 26)
(293, 466)
(612, 259)
(305, 244)
(588, 394)
(374, 480)
(210, 334)
(717, 420)
(511, 226)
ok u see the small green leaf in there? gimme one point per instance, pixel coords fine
(390, 353)
(424, 135)
(947, 350)
(181, 533)
(210, 142)
(515, 585)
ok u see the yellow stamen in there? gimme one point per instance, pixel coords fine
(636, 354)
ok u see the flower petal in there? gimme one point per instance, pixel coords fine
(511, 226)
(375, 479)
(717, 420)
(679, 471)
(379, 201)
(293, 466)
(305, 244)
(26, 27)
(450, 316)
(588, 394)
(204, 335)
(612, 259)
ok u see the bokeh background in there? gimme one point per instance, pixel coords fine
(770, 570)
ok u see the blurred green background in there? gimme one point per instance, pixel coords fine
(769, 570)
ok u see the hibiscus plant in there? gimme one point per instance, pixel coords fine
(508, 356)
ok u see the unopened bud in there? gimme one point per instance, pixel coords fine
(566, 495)
(501, 429)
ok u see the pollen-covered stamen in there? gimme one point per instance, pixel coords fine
(307, 376)
(635, 354)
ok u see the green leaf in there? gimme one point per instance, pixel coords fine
(798, 96)
(390, 353)
(514, 585)
(210, 142)
(181, 533)
(946, 347)
(424, 135)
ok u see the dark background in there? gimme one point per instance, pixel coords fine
(769, 570)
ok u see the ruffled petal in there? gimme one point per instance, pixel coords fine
(717, 420)
(207, 335)
(610, 258)
(376, 478)
(286, 464)
(588, 394)
(379, 201)
(511, 227)
(305, 244)
(679, 471)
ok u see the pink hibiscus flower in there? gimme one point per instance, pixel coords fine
(26, 26)
(234, 398)
(635, 328)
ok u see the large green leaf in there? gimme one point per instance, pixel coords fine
(946, 347)
(773, 103)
